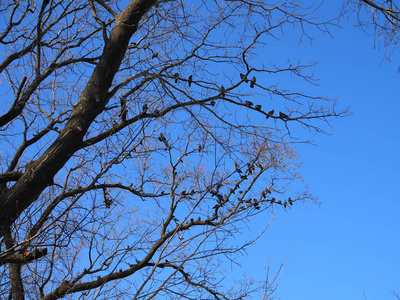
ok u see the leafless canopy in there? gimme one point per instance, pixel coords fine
(138, 139)
(380, 19)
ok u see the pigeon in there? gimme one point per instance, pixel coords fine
(248, 103)
(176, 77)
(252, 82)
(283, 115)
(222, 90)
(190, 79)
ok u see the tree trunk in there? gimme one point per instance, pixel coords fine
(93, 99)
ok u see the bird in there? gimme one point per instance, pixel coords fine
(248, 103)
(145, 107)
(190, 79)
(243, 77)
(212, 103)
(162, 138)
(257, 107)
(237, 168)
(222, 90)
(270, 113)
(283, 115)
(176, 77)
(253, 82)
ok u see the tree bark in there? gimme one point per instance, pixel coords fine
(92, 101)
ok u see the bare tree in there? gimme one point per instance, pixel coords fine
(133, 149)
(380, 19)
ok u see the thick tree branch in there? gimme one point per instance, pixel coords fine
(92, 102)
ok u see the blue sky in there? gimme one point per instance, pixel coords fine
(347, 247)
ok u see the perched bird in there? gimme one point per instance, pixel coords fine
(162, 138)
(252, 82)
(248, 103)
(222, 90)
(270, 113)
(190, 79)
(283, 115)
(237, 168)
(257, 107)
(145, 107)
(176, 77)
(212, 103)
(243, 77)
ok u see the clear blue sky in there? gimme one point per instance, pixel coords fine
(348, 247)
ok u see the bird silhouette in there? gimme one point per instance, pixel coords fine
(162, 138)
(248, 103)
(270, 113)
(190, 79)
(283, 115)
(222, 90)
(176, 77)
(252, 82)
(257, 107)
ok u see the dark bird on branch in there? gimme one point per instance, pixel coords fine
(176, 77)
(243, 77)
(222, 90)
(248, 103)
(145, 107)
(270, 113)
(162, 138)
(257, 107)
(252, 82)
(237, 168)
(283, 115)
(190, 79)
